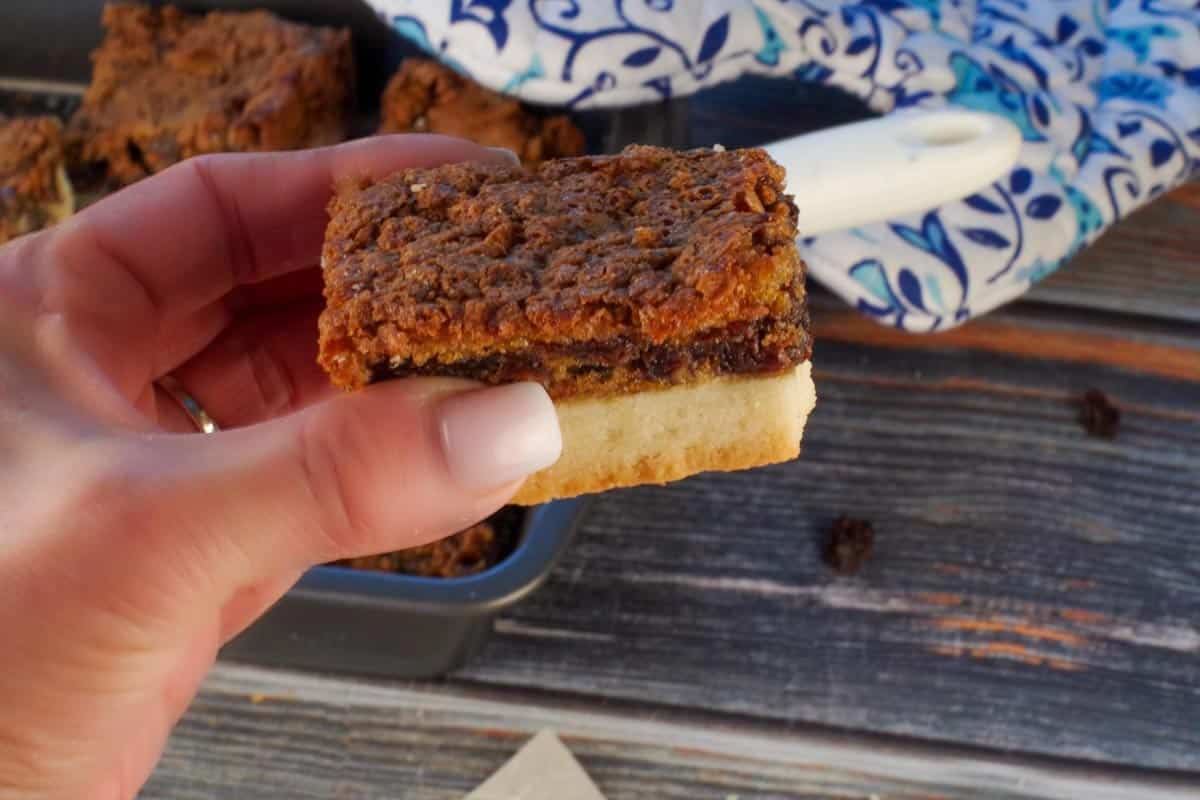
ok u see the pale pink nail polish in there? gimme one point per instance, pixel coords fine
(494, 436)
(509, 154)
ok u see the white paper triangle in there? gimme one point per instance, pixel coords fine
(543, 769)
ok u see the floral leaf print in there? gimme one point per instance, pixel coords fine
(714, 39)
(859, 44)
(1090, 143)
(1134, 86)
(643, 57)
(1041, 111)
(1191, 77)
(812, 72)
(981, 203)
(1043, 206)
(772, 43)
(932, 239)
(1020, 56)
(1117, 179)
(1161, 151)
(1128, 128)
(1020, 180)
(870, 276)
(910, 288)
(488, 13)
(987, 238)
(1139, 38)
(1066, 28)
(890, 6)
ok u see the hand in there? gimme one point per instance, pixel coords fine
(131, 548)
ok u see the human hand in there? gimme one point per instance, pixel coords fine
(131, 549)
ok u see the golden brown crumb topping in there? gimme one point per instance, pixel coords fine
(465, 553)
(426, 96)
(168, 85)
(651, 248)
(31, 154)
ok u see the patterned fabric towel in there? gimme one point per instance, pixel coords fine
(1105, 92)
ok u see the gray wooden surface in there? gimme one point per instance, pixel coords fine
(1033, 588)
(261, 734)
(1034, 596)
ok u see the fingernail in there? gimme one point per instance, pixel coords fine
(509, 154)
(495, 436)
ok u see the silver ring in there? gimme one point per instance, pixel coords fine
(199, 417)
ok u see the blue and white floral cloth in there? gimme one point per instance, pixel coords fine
(1105, 92)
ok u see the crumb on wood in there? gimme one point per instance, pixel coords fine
(849, 544)
(1098, 416)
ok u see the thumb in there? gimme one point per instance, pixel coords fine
(397, 465)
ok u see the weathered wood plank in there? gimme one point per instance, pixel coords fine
(265, 734)
(1033, 588)
(1039, 333)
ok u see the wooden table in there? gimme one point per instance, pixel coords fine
(1028, 626)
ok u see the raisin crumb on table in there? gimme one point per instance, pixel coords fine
(1098, 416)
(848, 545)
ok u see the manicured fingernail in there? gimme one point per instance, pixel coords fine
(509, 154)
(495, 436)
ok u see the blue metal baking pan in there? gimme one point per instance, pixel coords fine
(399, 625)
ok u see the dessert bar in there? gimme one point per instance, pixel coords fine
(657, 295)
(425, 96)
(167, 85)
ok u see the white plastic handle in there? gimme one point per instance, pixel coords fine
(883, 168)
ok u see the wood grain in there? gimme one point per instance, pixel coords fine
(1170, 349)
(265, 734)
(1033, 589)
(1188, 194)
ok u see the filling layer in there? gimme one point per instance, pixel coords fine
(622, 365)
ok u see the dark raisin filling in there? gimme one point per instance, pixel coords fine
(768, 345)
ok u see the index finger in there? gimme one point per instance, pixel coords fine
(189, 235)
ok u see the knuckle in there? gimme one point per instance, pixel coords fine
(273, 385)
(240, 254)
(333, 461)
